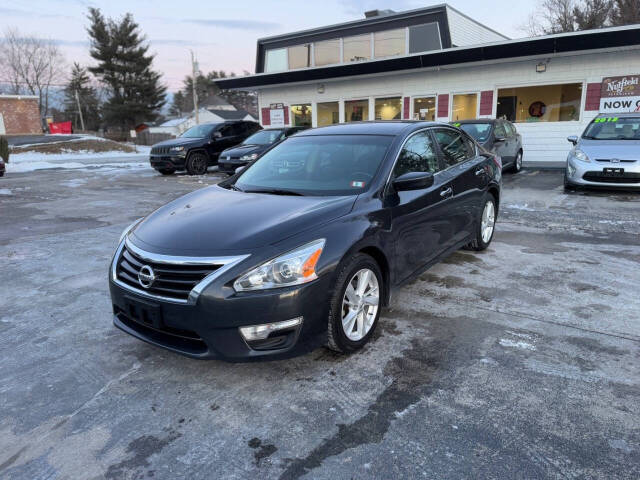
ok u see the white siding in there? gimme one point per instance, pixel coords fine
(465, 31)
(543, 142)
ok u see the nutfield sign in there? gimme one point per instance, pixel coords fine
(620, 94)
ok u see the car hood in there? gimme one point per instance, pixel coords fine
(240, 150)
(213, 220)
(607, 149)
(178, 142)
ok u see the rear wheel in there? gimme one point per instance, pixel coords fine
(355, 304)
(485, 226)
(197, 164)
(167, 171)
(517, 164)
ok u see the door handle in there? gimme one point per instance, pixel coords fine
(479, 172)
(447, 192)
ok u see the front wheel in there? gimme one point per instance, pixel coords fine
(355, 304)
(486, 226)
(197, 164)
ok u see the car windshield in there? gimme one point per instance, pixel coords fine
(480, 132)
(317, 165)
(264, 137)
(613, 128)
(199, 131)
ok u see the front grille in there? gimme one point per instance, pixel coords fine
(160, 150)
(620, 178)
(171, 280)
(608, 160)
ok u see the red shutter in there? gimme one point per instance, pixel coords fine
(486, 102)
(407, 101)
(266, 117)
(592, 101)
(443, 106)
(286, 115)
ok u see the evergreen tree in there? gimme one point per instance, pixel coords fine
(87, 96)
(592, 14)
(135, 93)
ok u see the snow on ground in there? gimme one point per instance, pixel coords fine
(143, 151)
(110, 166)
(5, 191)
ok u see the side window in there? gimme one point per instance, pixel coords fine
(226, 131)
(252, 127)
(501, 131)
(511, 129)
(417, 155)
(455, 148)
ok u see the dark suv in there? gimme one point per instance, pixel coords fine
(199, 147)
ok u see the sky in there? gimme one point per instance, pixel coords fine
(222, 34)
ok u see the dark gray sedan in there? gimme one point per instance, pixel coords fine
(499, 137)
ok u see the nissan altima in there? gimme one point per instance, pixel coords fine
(304, 246)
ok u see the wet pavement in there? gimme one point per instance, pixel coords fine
(518, 362)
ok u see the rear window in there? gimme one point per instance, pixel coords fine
(613, 128)
(480, 132)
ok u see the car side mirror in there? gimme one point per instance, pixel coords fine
(500, 139)
(413, 181)
(239, 169)
(217, 134)
(573, 139)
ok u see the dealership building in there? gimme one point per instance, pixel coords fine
(436, 63)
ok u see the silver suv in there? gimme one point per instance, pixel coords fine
(607, 154)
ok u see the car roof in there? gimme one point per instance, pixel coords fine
(624, 114)
(476, 120)
(379, 127)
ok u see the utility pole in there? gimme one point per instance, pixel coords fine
(80, 110)
(194, 78)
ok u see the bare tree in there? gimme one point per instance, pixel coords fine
(31, 65)
(592, 14)
(559, 16)
(625, 12)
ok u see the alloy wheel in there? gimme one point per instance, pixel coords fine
(488, 221)
(360, 304)
(519, 162)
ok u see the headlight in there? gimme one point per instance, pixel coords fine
(177, 149)
(128, 229)
(293, 268)
(253, 156)
(579, 155)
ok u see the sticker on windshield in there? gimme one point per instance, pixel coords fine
(357, 184)
(457, 124)
(606, 120)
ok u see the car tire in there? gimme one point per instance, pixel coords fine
(167, 171)
(517, 164)
(1, 174)
(352, 317)
(197, 164)
(485, 226)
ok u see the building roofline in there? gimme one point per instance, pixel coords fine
(449, 7)
(554, 44)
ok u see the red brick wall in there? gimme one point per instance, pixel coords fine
(21, 115)
(592, 101)
(486, 102)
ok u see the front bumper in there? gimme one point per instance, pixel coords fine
(230, 165)
(209, 326)
(593, 174)
(162, 162)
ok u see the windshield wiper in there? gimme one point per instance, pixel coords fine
(275, 191)
(233, 187)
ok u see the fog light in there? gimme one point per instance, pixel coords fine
(260, 332)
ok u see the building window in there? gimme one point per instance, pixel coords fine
(276, 60)
(328, 113)
(388, 108)
(301, 115)
(423, 38)
(327, 52)
(356, 110)
(424, 108)
(299, 56)
(544, 103)
(465, 107)
(357, 48)
(389, 43)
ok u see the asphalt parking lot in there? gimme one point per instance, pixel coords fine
(518, 362)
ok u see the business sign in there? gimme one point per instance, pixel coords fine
(277, 117)
(620, 94)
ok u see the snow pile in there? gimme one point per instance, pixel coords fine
(143, 151)
(5, 191)
(23, 167)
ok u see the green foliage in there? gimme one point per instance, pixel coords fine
(125, 66)
(4, 149)
(80, 82)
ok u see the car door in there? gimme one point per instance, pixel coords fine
(419, 224)
(502, 143)
(515, 139)
(467, 172)
(230, 136)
